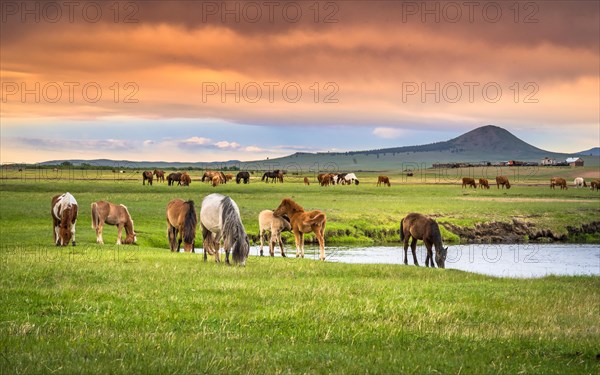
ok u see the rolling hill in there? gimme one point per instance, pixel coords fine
(484, 144)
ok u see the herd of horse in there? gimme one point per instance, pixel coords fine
(222, 227)
(503, 181)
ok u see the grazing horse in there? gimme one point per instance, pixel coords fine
(268, 222)
(106, 212)
(209, 175)
(558, 181)
(216, 180)
(228, 177)
(385, 180)
(185, 179)
(579, 182)
(484, 183)
(303, 222)
(64, 218)
(502, 180)
(147, 175)
(306, 181)
(174, 177)
(469, 182)
(220, 219)
(245, 176)
(275, 176)
(327, 179)
(182, 221)
(351, 178)
(160, 175)
(595, 185)
(420, 227)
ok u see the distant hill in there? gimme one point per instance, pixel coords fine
(484, 144)
(591, 152)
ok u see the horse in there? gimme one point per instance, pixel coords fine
(216, 180)
(185, 179)
(501, 180)
(469, 182)
(276, 225)
(228, 177)
(306, 181)
(174, 177)
(420, 227)
(484, 183)
(303, 222)
(340, 178)
(64, 218)
(220, 219)
(351, 178)
(327, 179)
(579, 182)
(385, 180)
(595, 185)
(245, 176)
(558, 181)
(182, 221)
(275, 176)
(209, 175)
(147, 175)
(160, 175)
(106, 212)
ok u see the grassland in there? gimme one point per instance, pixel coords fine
(141, 309)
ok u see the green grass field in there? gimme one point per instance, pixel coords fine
(143, 309)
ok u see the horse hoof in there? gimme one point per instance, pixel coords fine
(73, 243)
(283, 255)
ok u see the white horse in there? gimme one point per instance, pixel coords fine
(276, 225)
(351, 178)
(220, 219)
(579, 182)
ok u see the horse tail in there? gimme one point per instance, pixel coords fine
(95, 216)
(233, 232)
(402, 230)
(190, 223)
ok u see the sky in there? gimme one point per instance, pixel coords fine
(201, 81)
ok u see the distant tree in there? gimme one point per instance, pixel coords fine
(66, 164)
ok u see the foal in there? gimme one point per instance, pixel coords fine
(303, 222)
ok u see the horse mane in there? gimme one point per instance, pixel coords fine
(233, 230)
(129, 222)
(189, 226)
(293, 205)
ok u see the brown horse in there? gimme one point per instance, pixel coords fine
(557, 181)
(420, 227)
(303, 222)
(160, 175)
(385, 180)
(469, 182)
(104, 212)
(502, 180)
(182, 220)
(64, 218)
(484, 183)
(306, 181)
(185, 179)
(216, 180)
(595, 185)
(147, 176)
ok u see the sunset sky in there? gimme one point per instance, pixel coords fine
(214, 81)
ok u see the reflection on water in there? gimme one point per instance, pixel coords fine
(515, 260)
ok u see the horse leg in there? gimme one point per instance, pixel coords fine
(261, 234)
(297, 240)
(429, 257)
(99, 233)
(227, 257)
(406, 250)
(413, 248)
(280, 244)
(73, 233)
(301, 245)
(205, 240)
(56, 232)
(321, 240)
(272, 242)
(119, 233)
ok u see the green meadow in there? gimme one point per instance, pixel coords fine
(142, 309)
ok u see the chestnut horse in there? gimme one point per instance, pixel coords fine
(64, 218)
(420, 227)
(160, 175)
(502, 180)
(185, 179)
(484, 183)
(303, 222)
(147, 175)
(385, 180)
(104, 212)
(469, 182)
(306, 181)
(182, 220)
(557, 181)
